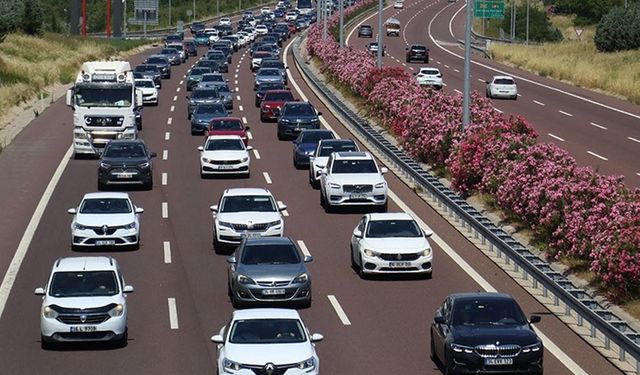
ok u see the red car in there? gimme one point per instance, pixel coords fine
(272, 104)
(292, 28)
(228, 126)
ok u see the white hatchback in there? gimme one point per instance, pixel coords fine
(430, 77)
(149, 90)
(224, 21)
(105, 219)
(502, 87)
(399, 4)
(224, 154)
(390, 243)
(267, 341)
(262, 30)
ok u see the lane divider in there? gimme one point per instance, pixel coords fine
(336, 306)
(173, 313)
(167, 252)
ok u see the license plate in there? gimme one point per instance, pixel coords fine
(296, 129)
(498, 361)
(226, 166)
(250, 235)
(125, 175)
(83, 329)
(273, 292)
(105, 242)
(399, 264)
(357, 196)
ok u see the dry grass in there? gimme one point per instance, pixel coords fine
(28, 64)
(578, 62)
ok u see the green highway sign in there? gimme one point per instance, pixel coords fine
(488, 8)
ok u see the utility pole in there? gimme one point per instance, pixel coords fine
(217, 8)
(527, 21)
(341, 23)
(169, 12)
(124, 2)
(513, 20)
(108, 18)
(466, 97)
(324, 20)
(380, 10)
(194, 11)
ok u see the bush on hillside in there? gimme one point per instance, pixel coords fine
(540, 27)
(587, 11)
(32, 18)
(619, 30)
(10, 16)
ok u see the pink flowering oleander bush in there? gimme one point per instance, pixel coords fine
(574, 210)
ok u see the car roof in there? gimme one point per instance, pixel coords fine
(228, 118)
(265, 313)
(215, 137)
(269, 241)
(87, 263)
(390, 216)
(352, 155)
(164, 57)
(246, 191)
(337, 141)
(105, 195)
(129, 141)
(481, 295)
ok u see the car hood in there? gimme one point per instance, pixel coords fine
(240, 133)
(205, 100)
(395, 245)
(225, 155)
(299, 118)
(306, 147)
(244, 217)
(98, 220)
(356, 178)
(488, 335)
(147, 90)
(261, 354)
(115, 162)
(83, 302)
(271, 272)
(206, 117)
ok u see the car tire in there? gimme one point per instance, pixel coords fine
(432, 349)
(446, 364)
(236, 303)
(280, 137)
(354, 265)
(488, 94)
(124, 340)
(101, 186)
(384, 207)
(44, 344)
(515, 97)
(262, 118)
(257, 103)
(296, 165)
(217, 246)
(322, 201)
(361, 273)
(149, 184)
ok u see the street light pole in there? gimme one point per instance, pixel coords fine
(194, 11)
(217, 8)
(124, 13)
(466, 97)
(324, 20)
(527, 21)
(169, 12)
(380, 10)
(341, 4)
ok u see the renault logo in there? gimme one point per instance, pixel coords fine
(399, 256)
(83, 318)
(105, 229)
(269, 368)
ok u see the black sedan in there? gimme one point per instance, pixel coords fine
(474, 333)
(162, 62)
(296, 116)
(126, 162)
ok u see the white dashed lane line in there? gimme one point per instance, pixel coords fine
(237, 89)
(238, 97)
(173, 108)
(438, 62)
(164, 179)
(178, 89)
(169, 121)
(173, 313)
(167, 252)
(341, 314)
(566, 113)
(303, 248)
(181, 82)
(175, 98)
(165, 210)
(497, 110)
(539, 103)
(456, 70)
(256, 154)
(249, 135)
(267, 178)
(165, 154)
(633, 139)
(235, 82)
(244, 120)
(241, 108)
(598, 126)
(555, 137)
(597, 156)
(458, 91)
(403, 64)
(167, 136)
(479, 79)
(446, 66)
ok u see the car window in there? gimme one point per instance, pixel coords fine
(301, 109)
(105, 206)
(124, 150)
(84, 284)
(354, 166)
(156, 60)
(393, 228)
(267, 331)
(270, 254)
(226, 125)
(212, 78)
(326, 150)
(314, 137)
(210, 109)
(145, 83)
(224, 145)
(487, 312)
(242, 203)
(199, 71)
(504, 81)
(278, 97)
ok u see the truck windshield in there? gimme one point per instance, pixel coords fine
(103, 96)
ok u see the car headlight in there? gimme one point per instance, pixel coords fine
(117, 310)
(284, 120)
(427, 252)
(302, 278)
(274, 223)
(532, 348)
(245, 159)
(309, 152)
(206, 160)
(242, 279)
(380, 185)
(309, 364)
(80, 134)
(229, 365)
(370, 253)
(334, 186)
(225, 224)
(130, 226)
(49, 313)
(77, 226)
(105, 165)
(461, 348)
(144, 165)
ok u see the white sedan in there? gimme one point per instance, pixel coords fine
(390, 243)
(105, 219)
(267, 341)
(224, 21)
(429, 77)
(149, 90)
(502, 87)
(399, 4)
(224, 154)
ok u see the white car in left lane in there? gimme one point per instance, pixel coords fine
(149, 90)
(224, 154)
(267, 341)
(105, 219)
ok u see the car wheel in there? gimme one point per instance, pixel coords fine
(262, 118)
(488, 94)
(432, 349)
(515, 97)
(384, 207)
(149, 184)
(101, 186)
(408, 60)
(139, 125)
(236, 303)
(322, 201)
(44, 344)
(280, 137)
(229, 292)
(354, 265)
(363, 275)
(257, 104)
(124, 340)
(296, 165)
(447, 365)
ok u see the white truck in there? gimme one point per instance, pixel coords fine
(106, 106)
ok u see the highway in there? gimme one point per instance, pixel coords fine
(372, 327)
(598, 130)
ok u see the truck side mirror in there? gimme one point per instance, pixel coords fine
(139, 98)
(70, 98)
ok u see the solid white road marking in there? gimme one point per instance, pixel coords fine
(244, 120)
(566, 113)
(303, 248)
(169, 121)
(458, 91)
(256, 154)
(266, 177)
(596, 155)
(167, 136)
(173, 313)
(598, 126)
(539, 103)
(633, 139)
(336, 306)
(555, 137)
(173, 108)
(241, 108)
(12, 272)
(165, 154)
(164, 178)
(165, 210)
(167, 252)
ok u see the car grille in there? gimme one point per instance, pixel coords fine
(273, 283)
(394, 257)
(226, 162)
(83, 316)
(103, 120)
(492, 351)
(105, 230)
(256, 227)
(277, 369)
(357, 188)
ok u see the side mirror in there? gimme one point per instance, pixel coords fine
(415, 74)
(70, 98)
(200, 148)
(231, 260)
(153, 155)
(323, 171)
(427, 233)
(39, 292)
(218, 339)
(249, 148)
(440, 75)
(281, 206)
(487, 82)
(316, 337)
(319, 113)
(186, 97)
(535, 319)
(72, 211)
(127, 289)
(139, 210)
(439, 320)
(214, 208)
(357, 233)
(308, 258)
(246, 127)
(384, 170)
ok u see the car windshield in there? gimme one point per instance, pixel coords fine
(267, 331)
(393, 228)
(210, 109)
(301, 109)
(226, 125)
(212, 78)
(146, 68)
(199, 71)
(156, 60)
(418, 49)
(270, 86)
(169, 51)
(278, 97)
(487, 312)
(106, 96)
(204, 94)
(145, 83)
(430, 72)
(178, 47)
(242, 203)
(270, 254)
(329, 149)
(105, 206)
(124, 150)
(354, 166)
(314, 136)
(504, 81)
(84, 284)
(224, 145)
(269, 72)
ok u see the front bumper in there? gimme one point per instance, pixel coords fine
(293, 129)
(231, 236)
(124, 176)
(89, 238)
(53, 330)
(529, 363)
(269, 113)
(261, 294)
(337, 197)
(209, 168)
(503, 93)
(407, 264)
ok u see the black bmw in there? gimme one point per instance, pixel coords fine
(485, 333)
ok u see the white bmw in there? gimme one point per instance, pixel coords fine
(267, 341)
(224, 154)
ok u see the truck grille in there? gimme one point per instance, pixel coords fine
(358, 189)
(492, 351)
(105, 121)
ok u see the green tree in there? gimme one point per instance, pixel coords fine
(10, 16)
(540, 27)
(33, 17)
(619, 30)
(587, 11)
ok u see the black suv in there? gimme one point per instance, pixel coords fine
(365, 31)
(418, 52)
(126, 162)
(475, 333)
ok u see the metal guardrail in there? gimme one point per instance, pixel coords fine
(599, 319)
